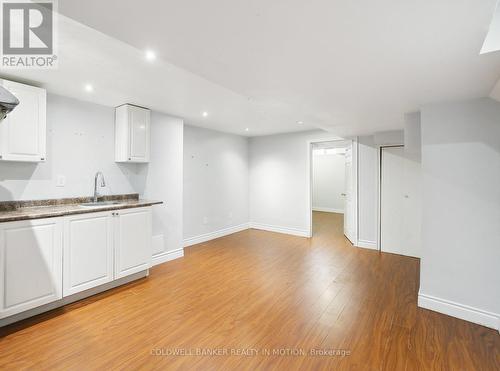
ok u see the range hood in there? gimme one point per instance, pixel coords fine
(7, 102)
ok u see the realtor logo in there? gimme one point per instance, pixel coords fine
(28, 34)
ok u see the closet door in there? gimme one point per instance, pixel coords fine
(399, 203)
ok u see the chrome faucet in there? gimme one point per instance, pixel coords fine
(103, 184)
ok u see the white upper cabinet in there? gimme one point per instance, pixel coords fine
(132, 133)
(23, 131)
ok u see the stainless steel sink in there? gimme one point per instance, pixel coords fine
(100, 203)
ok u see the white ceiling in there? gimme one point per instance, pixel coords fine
(351, 67)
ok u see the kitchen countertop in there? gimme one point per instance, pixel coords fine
(38, 209)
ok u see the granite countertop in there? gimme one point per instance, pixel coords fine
(38, 209)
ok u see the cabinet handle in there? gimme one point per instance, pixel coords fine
(42, 159)
(129, 159)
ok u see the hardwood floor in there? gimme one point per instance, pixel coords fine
(263, 291)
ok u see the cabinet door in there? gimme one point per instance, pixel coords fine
(23, 132)
(88, 251)
(132, 241)
(30, 264)
(139, 134)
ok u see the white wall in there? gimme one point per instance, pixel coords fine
(279, 197)
(80, 141)
(461, 210)
(328, 174)
(161, 179)
(215, 183)
(387, 138)
(413, 137)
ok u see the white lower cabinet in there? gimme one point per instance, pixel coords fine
(102, 247)
(133, 235)
(30, 264)
(44, 260)
(88, 251)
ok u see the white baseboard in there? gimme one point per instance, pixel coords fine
(461, 311)
(216, 234)
(285, 230)
(167, 256)
(367, 244)
(328, 210)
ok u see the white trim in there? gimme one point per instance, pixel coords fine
(278, 229)
(328, 210)
(458, 310)
(367, 244)
(216, 234)
(167, 256)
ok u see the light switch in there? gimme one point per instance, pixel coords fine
(61, 181)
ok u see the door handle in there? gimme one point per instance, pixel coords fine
(343, 194)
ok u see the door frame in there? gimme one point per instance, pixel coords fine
(379, 186)
(354, 144)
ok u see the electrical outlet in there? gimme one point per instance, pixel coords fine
(61, 181)
(230, 215)
(205, 220)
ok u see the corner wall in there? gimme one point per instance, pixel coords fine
(215, 184)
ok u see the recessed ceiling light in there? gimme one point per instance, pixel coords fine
(300, 122)
(247, 129)
(205, 114)
(89, 88)
(150, 55)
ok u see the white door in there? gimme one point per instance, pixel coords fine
(139, 134)
(22, 133)
(88, 251)
(349, 212)
(30, 264)
(133, 236)
(399, 203)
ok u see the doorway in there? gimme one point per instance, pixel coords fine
(333, 190)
